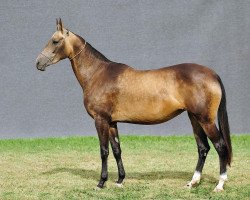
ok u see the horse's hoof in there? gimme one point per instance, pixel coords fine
(192, 184)
(188, 186)
(216, 189)
(97, 188)
(120, 185)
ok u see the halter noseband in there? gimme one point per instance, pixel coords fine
(46, 57)
(79, 51)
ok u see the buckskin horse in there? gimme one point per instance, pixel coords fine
(115, 92)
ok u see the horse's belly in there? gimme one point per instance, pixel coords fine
(146, 112)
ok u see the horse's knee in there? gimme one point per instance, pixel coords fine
(203, 150)
(104, 153)
(117, 152)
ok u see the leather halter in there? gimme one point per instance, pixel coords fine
(79, 51)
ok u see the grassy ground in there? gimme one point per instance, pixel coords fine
(156, 167)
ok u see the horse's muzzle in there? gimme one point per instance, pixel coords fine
(40, 67)
(41, 62)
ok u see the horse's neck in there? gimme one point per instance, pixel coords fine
(87, 64)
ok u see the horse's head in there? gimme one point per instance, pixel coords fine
(56, 49)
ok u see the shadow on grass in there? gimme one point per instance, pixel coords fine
(155, 175)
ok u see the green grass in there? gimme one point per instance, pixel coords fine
(156, 167)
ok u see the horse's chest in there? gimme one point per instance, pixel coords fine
(99, 103)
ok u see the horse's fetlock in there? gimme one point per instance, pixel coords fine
(104, 178)
(122, 176)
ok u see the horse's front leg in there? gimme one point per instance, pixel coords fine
(102, 127)
(115, 144)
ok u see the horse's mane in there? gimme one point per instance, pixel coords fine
(93, 51)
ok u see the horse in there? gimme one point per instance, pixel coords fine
(115, 92)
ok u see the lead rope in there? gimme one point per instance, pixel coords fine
(79, 51)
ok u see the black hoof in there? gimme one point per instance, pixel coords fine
(120, 180)
(101, 184)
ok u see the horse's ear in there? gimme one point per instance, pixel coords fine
(59, 25)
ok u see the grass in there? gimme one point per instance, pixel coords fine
(156, 167)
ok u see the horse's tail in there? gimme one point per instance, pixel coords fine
(223, 123)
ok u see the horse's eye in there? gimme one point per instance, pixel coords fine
(55, 42)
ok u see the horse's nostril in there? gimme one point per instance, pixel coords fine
(37, 63)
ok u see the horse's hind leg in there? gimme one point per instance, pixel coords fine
(203, 148)
(115, 144)
(220, 146)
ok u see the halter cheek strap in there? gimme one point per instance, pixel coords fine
(78, 52)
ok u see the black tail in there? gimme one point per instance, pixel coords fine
(223, 122)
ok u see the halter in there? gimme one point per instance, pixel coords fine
(69, 58)
(78, 52)
(46, 57)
